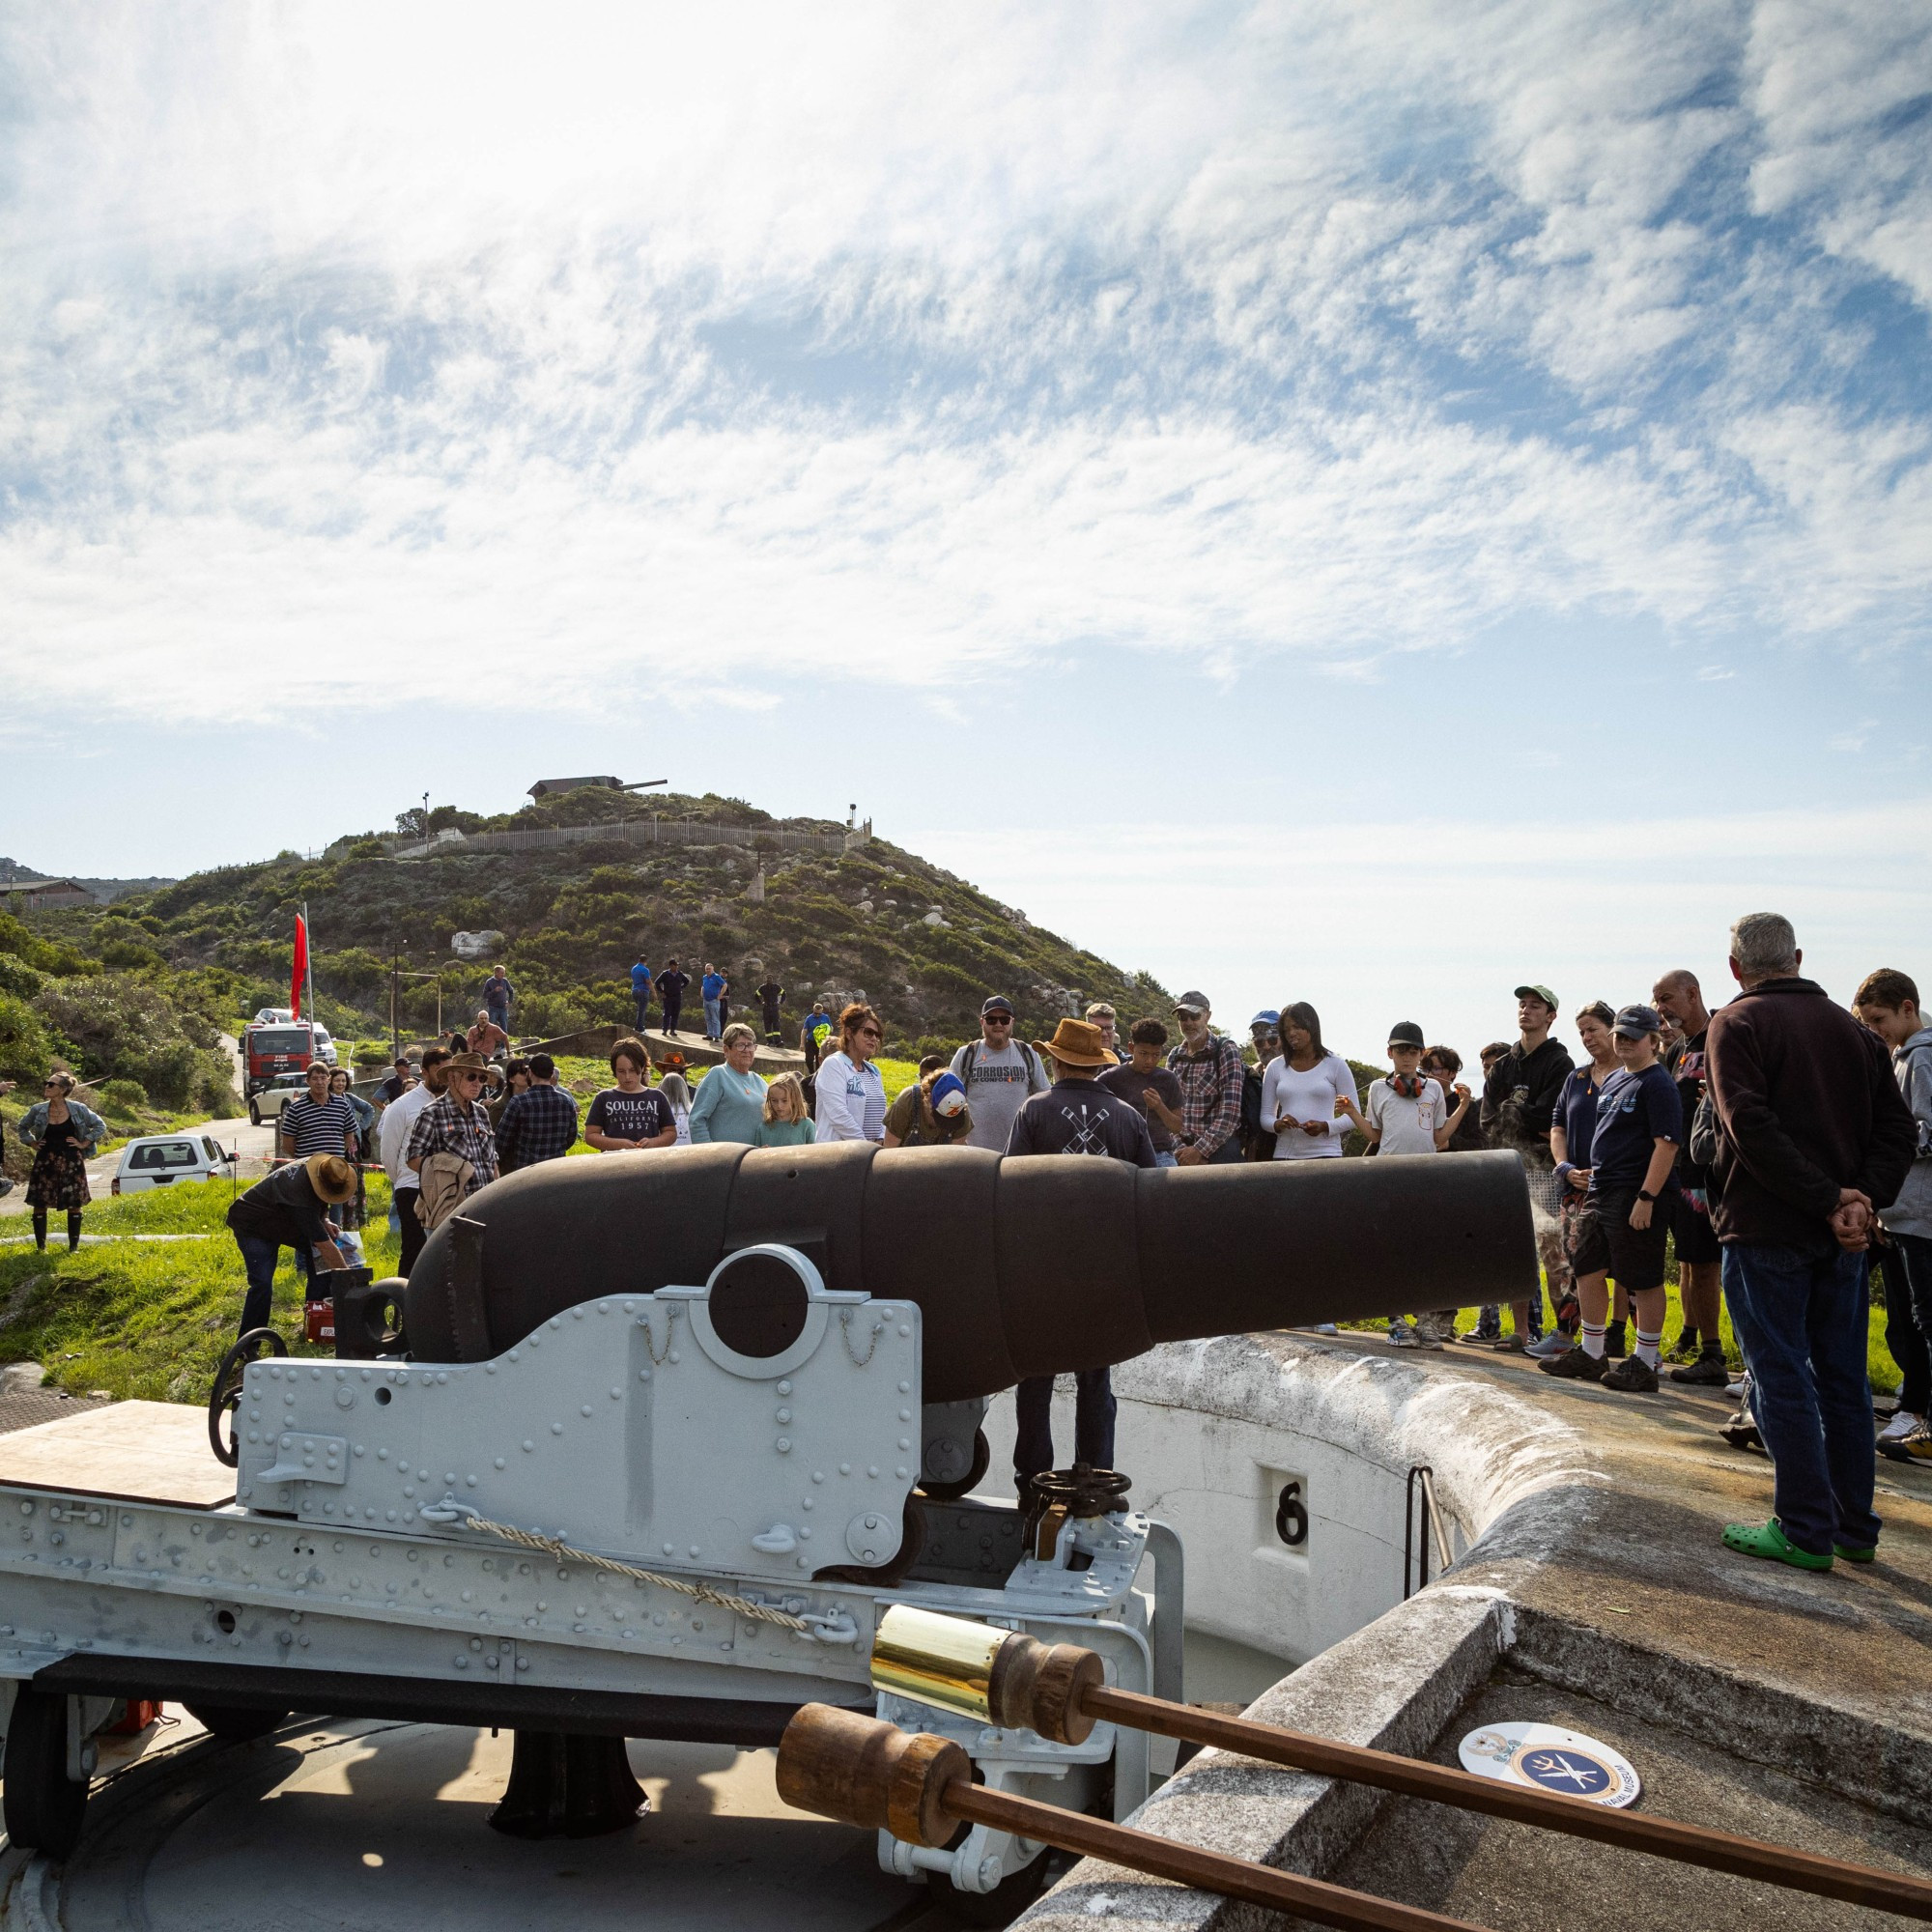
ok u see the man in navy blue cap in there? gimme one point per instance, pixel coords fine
(1626, 1216)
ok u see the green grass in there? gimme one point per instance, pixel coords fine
(150, 1318)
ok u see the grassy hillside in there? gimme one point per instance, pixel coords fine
(575, 918)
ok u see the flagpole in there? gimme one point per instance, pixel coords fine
(309, 960)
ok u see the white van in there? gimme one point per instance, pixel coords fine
(160, 1160)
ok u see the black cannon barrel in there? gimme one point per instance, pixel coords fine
(1020, 1266)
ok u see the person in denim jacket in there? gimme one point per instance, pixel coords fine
(63, 1135)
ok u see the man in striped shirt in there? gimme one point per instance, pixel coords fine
(319, 1123)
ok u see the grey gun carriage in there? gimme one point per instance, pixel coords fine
(659, 1439)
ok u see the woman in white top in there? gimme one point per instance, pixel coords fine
(1302, 1091)
(850, 1092)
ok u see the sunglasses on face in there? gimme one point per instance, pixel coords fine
(868, 1033)
(999, 1019)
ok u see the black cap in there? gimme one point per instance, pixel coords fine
(1406, 1033)
(996, 1003)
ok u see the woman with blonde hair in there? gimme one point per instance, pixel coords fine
(678, 1095)
(62, 1134)
(787, 1120)
(851, 1090)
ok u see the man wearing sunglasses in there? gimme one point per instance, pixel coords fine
(452, 1149)
(999, 1073)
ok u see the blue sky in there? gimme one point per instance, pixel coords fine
(1357, 502)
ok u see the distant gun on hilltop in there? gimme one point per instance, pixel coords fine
(553, 787)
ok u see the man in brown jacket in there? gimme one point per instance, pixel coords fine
(1814, 1141)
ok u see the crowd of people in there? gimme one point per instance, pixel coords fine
(1776, 1149)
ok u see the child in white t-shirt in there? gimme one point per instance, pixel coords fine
(1408, 1113)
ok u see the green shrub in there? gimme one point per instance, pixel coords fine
(129, 1029)
(19, 978)
(123, 1096)
(28, 1044)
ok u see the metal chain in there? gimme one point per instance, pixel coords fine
(845, 1335)
(555, 1546)
(670, 1332)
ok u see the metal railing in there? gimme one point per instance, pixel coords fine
(1421, 1528)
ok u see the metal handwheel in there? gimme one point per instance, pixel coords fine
(225, 1397)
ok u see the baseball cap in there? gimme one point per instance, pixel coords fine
(1633, 1022)
(1193, 1001)
(1542, 993)
(1406, 1033)
(1268, 1017)
(948, 1094)
(995, 1003)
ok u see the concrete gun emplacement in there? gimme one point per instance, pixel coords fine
(660, 1437)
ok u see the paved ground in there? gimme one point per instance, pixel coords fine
(1643, 1567)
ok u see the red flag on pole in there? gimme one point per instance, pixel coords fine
(300, 972)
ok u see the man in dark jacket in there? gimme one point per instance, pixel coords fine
(1519, 1096)
(1074, 1116)
(1815, 1141)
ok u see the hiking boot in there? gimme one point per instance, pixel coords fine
(1574, 1365)
(1633, 1376)
(1616, 1341)
(1706, 1372)
(1740, 1430)
(1769, 1540)
(1687, 1347)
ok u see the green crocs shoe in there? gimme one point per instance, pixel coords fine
(1769, 1540)
(1866, 1553)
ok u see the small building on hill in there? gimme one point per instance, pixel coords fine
(46, 894)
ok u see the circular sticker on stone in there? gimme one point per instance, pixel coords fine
(1549, 1758)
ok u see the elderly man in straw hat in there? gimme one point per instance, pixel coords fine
(452, 1146)
(289, 1209)
(1073, 1115)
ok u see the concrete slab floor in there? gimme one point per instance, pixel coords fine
(1493, 1872)
(1641, 1563)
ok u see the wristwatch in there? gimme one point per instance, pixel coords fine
(1644, 1194)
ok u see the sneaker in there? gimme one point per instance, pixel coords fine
(1403, 1338)
(1553, 1345)
(1914, 1448)
(1706, 1372)
(1574, 1365)
(1473, 1338)
(1736, 1390)
(1769, 1540)
(1324, 1329)
(1740, 1430)
(1633, 1376)
(1901, 1425)
(1616, 1341)
(1426, 1337)
(1510, 1344)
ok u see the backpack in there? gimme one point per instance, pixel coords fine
(1706, 1145)
(1254, 1142)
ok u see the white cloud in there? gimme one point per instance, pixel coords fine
(405, 345)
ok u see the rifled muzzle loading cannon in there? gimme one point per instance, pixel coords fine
(659, 1437)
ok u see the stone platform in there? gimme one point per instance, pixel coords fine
(1592, 1588)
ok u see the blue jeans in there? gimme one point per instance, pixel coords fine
(1092, 1423)
(259, 1259)
(1164, 1158)
(1801, 1319)
(713, 1024)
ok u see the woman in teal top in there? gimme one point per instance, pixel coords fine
(787, 1120)
(730, 1102)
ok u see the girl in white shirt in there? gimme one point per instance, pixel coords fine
(1302, 1091)
(849, 1092)
(678, 1098)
